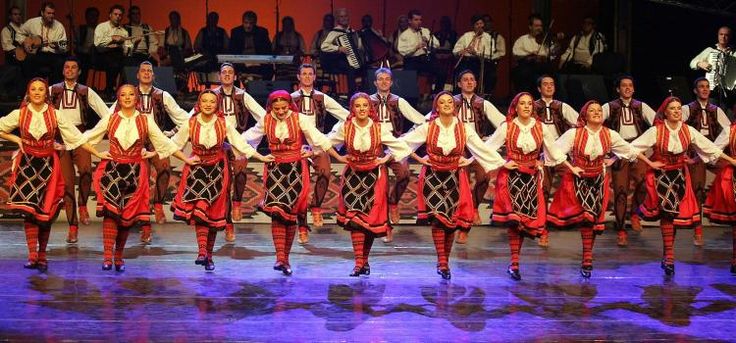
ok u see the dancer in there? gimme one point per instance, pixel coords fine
(36, 182)
(583, 196)
(121, 181)
(202, 197)
(520, 204)
(720, 206)
(670, 197)
(363, 208)
(286, 180)
(445, 200)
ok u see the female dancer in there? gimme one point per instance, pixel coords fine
(37, 186)
(670, 198)
(583, 195)
(201, 199)
(286, 180)
(363, 204)
(720, 206)
(445, 200)
(520, 202)
(121, 183)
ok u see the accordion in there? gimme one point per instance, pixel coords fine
(353, 55)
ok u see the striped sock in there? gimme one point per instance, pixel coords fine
(438, 235)
(211, 238)
(278, 231)
(121, 239)
(109, 235)
(588, 240)
(32, 240)
(515, 242)
(358, 238)
(369, 237)
(201, 232)
(44, 231)
(290, 234)
(668, 241)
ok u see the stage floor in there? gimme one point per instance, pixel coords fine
(163, 296)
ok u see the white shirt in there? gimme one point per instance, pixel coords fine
(580, 54)
(526, 141)
(54, 34)
(330, 44)
(488, 159)
(628, 129)
(410, 39)
(362, 140)
(593, 146)
(176, 113)
(37, 127)
(331, 106)
(723, 139)
(6, 37)
(707, 151)
(69, 107)
(485, 46)
(704, 129)
(104, 32)
(208, 136)
(568, 114)
(315, 138)
(152, 47)
(526, 45)
(406, 110)
(127, 134)
(707, 56)
(492, 113)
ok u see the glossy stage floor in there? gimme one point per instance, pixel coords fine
(163, 296)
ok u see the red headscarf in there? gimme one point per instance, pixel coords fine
(196, 109)
(661, 116)
(26, 98)
(137, 97)
(583, 117)
(371, 110)
(280, 95)
(511, 114)
(435, 113)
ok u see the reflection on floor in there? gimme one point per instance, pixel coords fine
(164, 296)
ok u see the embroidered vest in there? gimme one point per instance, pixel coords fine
(437, 158)
(483, 126)
(239, 111)
(133, 153)
(290, 149)
(395, 116)
(363, 160)
(696, 120)
(57, 95)
(207, 154)
(317, 106)
(615, 108)
(515, 153)
(582, 160)
(555, 115)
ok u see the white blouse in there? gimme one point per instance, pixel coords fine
(315, 138)
(69, 133)
(362, 140)
(707, 151)
(208, 136)
(127, 134)
(489, 159)
(593, 146)
(526, 141)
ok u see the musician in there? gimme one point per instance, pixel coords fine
(211, 41)
(288, 41)
(75, 103)
(415, 45)
(446, 35)
(237, 106)
(145, 49)
(11, 77)
(177, 42)
(85, 44)
(476, 46)
(556, 117)
(480, 116)
(315, 105)
(251, 39)
(336, 58)
(391, 110)
(49, 58)
(376, 46)
(630, 118)
(401, 26)
(710, 121)
(578, 58)
(711, 60)
(532, 56)
(328, 23)
(112, 45)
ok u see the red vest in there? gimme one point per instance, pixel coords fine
(204, 153)
(366, 160)
(580, 159)
(133, 153)
(660, 147)
(515, 153)
(436, 157)
(44, 145)
(290, 149)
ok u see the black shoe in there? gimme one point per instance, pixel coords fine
(284, 268)
(209, 265)
(514, 273)
(444, 272)
(31, 265)
(107, 265)
(586, 271)
(366, 270)
(733, 269)
(120, 267)
(669, 269)
(201, 260)
(356, 272)
(43, 266)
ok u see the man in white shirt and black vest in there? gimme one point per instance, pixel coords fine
(710, 120)
(630, 118)
(76, 103)
(391, 110)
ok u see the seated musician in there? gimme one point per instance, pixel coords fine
(532, 55)
(335, 56)
(578, 58)
(211, 41)
(47, 62)
(11, 78)
(416, 45)
(377, 47)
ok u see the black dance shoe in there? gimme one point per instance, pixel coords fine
(120, 267)
(107, 265)
(356, 272)
(669, 269)
(31, 265)
(284, 268)
(444, 272)
(366, 270)
(43, 266)
(586, 271)
(209, 265)
(733, 269)
(201, 260)
(514, 273)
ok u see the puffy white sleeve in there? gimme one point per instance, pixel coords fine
(621, 148)
(181, 137)
(702, 56)
(398, 148)
(645, 141)
(239, 142)
(707, 151)
(313, 135)
(564, 144)
(163, 145)
(255, 134)
(177, 114)
(416, 137)
(410, 113)
(97, 104)
(253, 107)
(9, 122)
(94, 136)
(493, 114)
(723, 139)
(337, 135)
(69, 134)
(570, 114)
(334, 108)
(648, 113)
(488, 158)
(498, 139)
(551, 154)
